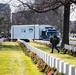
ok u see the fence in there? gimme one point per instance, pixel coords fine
(61, 66)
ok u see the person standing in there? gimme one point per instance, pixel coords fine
(54, 41)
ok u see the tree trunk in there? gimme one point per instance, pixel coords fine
(65, 39)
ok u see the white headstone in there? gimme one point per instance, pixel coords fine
(61, 66)
(72, 70)
(57, 63)
(66, 68)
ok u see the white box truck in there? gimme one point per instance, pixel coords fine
(32, 31)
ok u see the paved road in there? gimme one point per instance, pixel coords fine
(73, 42)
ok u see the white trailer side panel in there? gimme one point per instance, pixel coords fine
(22, 32)
(25, 32)
(37, 32)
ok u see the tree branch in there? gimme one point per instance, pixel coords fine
(5, 5)
(46, 7)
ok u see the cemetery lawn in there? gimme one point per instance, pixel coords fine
(14, 62)
(65, 57)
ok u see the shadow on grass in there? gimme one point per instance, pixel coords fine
(10, 47)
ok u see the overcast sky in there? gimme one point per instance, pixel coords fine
(14, 3)
(73, 12)
(11, 2)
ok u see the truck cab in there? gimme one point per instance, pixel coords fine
(48, 33)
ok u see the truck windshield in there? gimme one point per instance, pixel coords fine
(50, 34)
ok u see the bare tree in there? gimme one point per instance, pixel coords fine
(42, 6)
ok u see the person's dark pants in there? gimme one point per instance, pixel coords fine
(55, 46)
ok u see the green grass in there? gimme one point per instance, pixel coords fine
(14, 62)
(64, 57)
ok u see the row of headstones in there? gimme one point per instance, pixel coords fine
(69, 47)
(46, 42)
(61, 66)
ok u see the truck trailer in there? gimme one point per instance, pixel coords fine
(32, 32)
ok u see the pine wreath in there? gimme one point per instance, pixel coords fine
(54, 40)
